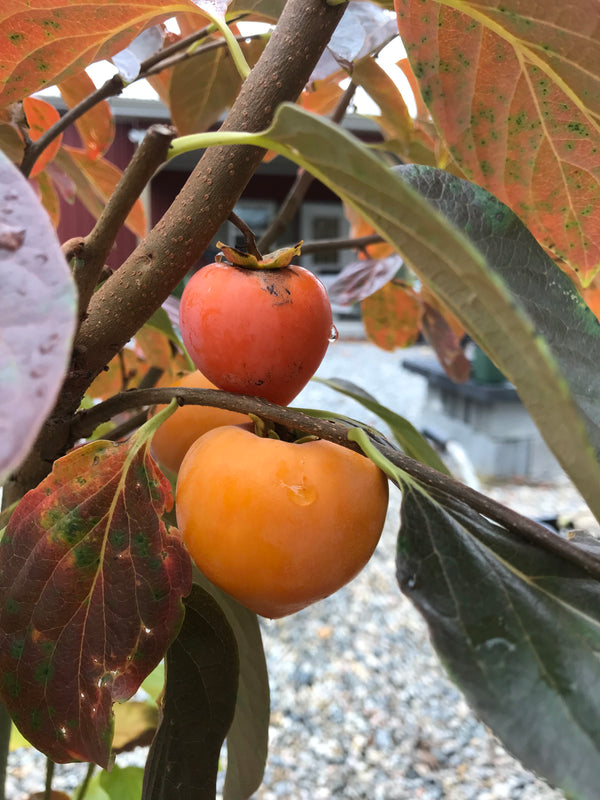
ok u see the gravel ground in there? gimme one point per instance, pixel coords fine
(361, 707)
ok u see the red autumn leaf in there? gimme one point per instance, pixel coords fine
(322, 96)
(101, 178)
(46, 43)
(97, 126)
(515, 90)
(41, 116)
(392, 316)
(446, 342)
(91, 583)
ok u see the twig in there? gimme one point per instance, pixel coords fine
(301, 185)
(183, 44)
(358, 243)
(178, 58)
(336, 431)
(112, 87)
(90, 260)
(248, 234)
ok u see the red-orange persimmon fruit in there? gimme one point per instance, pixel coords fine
(278, 525)
(260, 332)
(178, 433)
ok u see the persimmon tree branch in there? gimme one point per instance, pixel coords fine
(357, 243)
(247, 233)
(163, 59)
(129, 297)
(96, 246)
(301, 185)
(110, 88)
(336, 431)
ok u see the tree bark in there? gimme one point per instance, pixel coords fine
(144, 281)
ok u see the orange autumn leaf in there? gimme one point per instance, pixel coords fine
(41, 116)
(97, 126)
(322, 96)
(514, 89)
(47, 41)
(392, 316)
(103, 178)
(360, 228)
(48, 196)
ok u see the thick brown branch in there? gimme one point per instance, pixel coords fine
(131, 295)
(337, 432)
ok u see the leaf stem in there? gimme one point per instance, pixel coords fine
(232, 43)
(338, 433)
(49, 777)
(84, 785)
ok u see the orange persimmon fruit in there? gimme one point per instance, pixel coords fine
(278, 525)
(177, 434)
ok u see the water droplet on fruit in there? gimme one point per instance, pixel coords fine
(334, 334)
(302, 495)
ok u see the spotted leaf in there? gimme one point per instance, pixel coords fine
(91, 583)
(515, 90)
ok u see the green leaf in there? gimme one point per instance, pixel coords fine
(121, 783)
(517, 628)
(408, 437)
(198, 705)
(247, 739)
(534, 281)
(155, 682)
(456, 271)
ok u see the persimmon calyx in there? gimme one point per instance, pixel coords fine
(275, 260)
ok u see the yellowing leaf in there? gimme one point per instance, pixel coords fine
(102, 176)
(391, 316)
(96, 127)
(41, 116)
(515, 89)
(45, 43)
(48, 196)
(395, 119)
